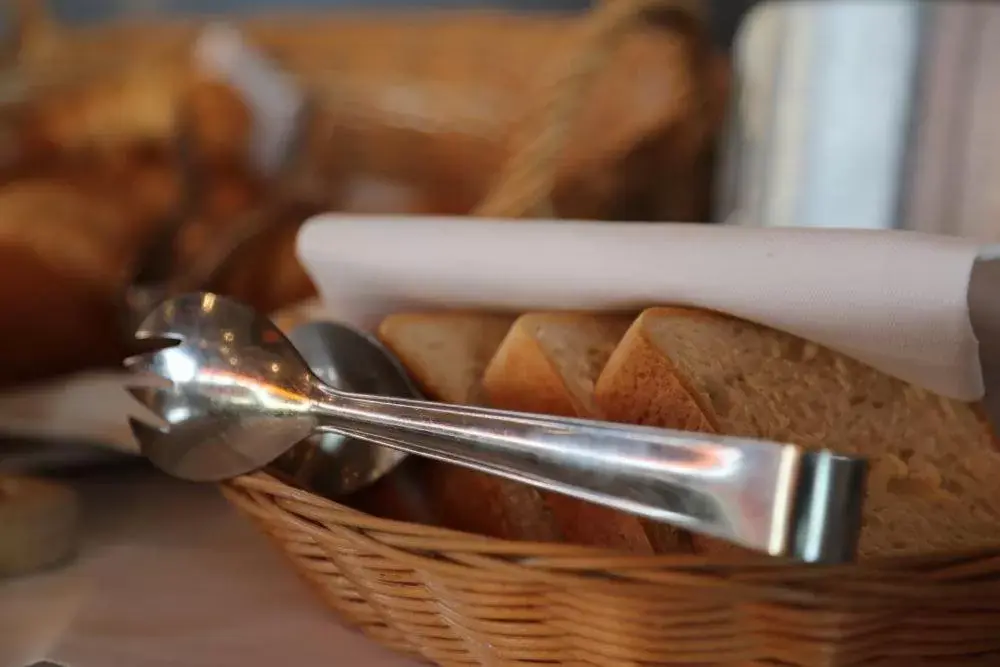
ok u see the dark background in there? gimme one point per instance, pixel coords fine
(724, 14)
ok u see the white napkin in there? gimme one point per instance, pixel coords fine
(896, 300)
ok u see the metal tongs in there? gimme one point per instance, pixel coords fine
(238, 396)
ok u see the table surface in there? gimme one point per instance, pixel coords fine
(170, 575)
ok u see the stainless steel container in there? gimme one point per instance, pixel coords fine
(853, 113)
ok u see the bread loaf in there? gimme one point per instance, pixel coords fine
(62, 258)
(446, 355)
(934, 461)
(548, 363)
(143, 101)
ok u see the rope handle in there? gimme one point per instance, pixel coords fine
(525, 184)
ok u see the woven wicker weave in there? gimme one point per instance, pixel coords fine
(457, 599)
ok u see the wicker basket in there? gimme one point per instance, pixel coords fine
(457, 599)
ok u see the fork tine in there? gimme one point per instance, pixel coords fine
(143, 395)
(142, 343)
(146, 397)
(142, 429)
(143, 433)
(138, 362)
(144, 378)
(144, 350)
(138, 426)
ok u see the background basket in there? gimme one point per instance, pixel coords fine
(457, 599)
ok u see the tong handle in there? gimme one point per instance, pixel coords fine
(767, 496)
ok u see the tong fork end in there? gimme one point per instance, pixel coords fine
(826, 515)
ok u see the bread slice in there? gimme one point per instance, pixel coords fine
(548, 363)
(934, 461)
(446, 355)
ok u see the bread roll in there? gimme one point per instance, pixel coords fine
(446, 355)
(71, 242)
(113, 108)
(63, 255)
(548, 363)
(68, 229)
(934, 461)
(218, 120)
(38, 524)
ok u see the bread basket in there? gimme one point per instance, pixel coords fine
(453, 599)
(457, 599)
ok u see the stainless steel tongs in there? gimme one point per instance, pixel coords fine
(239, 395)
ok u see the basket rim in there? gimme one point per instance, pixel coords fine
(942, 578)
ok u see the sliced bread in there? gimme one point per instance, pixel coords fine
(446, 354)
(934, 461)
(548, 363)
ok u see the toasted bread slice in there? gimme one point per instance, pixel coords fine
(934, 461)
(446, 354)
(548, 363)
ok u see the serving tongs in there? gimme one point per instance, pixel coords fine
(238, 395)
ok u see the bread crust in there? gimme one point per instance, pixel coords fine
(641, 385)
(624, 393)
(522, 377)
(930, 457)
(465, 499)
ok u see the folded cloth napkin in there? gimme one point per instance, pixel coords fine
(893, 299)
